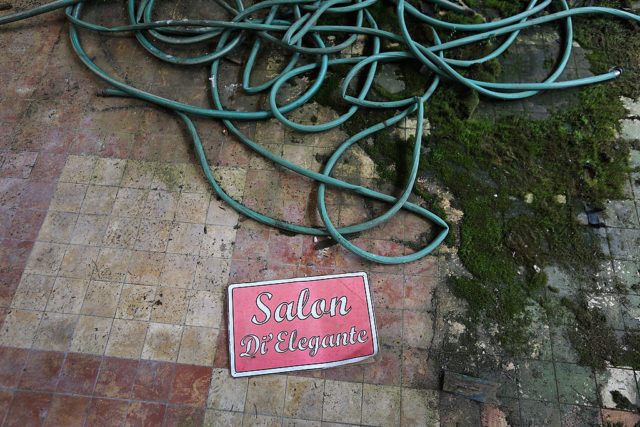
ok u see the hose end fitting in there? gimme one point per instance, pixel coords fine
(102, 92)
(617, 70)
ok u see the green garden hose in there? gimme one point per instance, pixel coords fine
(294, 26)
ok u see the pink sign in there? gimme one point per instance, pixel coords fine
(306, 323)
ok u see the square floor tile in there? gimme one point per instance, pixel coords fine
(101, 298)
(226, 392)
(91, 335)
(342, 402)
(190, 385)
(41, 371)
(67, 295)
(116, 378)
(135, 302)
(179, 270)
(19, 328)
(198, 346)
(33, 292)
(538, 381)
(153, 381)
(205, 309)
(266, 403)
(79, 374)
(162, 342)
(304, 398)
(381, 405)
(55, 331)
(145, 268)
(126, 338)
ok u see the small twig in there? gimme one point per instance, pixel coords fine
(6, 6)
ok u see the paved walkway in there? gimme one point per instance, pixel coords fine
(115, 259)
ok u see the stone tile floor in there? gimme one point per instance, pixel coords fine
(115, 258)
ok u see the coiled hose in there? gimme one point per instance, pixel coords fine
(293, 25)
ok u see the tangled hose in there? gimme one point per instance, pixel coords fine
(293, 25)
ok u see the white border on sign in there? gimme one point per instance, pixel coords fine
(372, 321)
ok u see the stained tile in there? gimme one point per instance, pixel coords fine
(28, 408)
(67, 410)
(135, 302)
(57, 227)
(162, 342)
(386, 290)
(418, 328)
(198, 346)
(418, 292)
(178, 270)
(78, 262)
(12, 361)
(45, 258)
(111, 264)
(78, 169)
(67, 295)
(285, 249)
(251, 244)
(419, 407)
(79, 374)
(183, 416)
(145, 268)
(342, 402)
(219, 213)
(226, 392)
(153, 235)
(41, 371)
(215, 418)
(218, 241)
(55, 331)
(304, 398)
(170, 305)
(19, 328)
(192, 207)
(537, 381)
(116, 378)
(387, 368)
(266, 403)
(190, 385)
(211, 274)
(91, 335)
(33, 292)
(126, 338)
(106, 412)
(89, 229)
(417, 370)
(576, 384)
(137, 174)
(121, 232)
(108, 171)
(381, 405)
(254, 420)
(145, 414)
(205, 309)
(185, 238)
(68, 197)
(130, 202)
(101, 298)
(160, 205)
(153, 381)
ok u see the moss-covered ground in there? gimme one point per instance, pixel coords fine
(521, 183)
